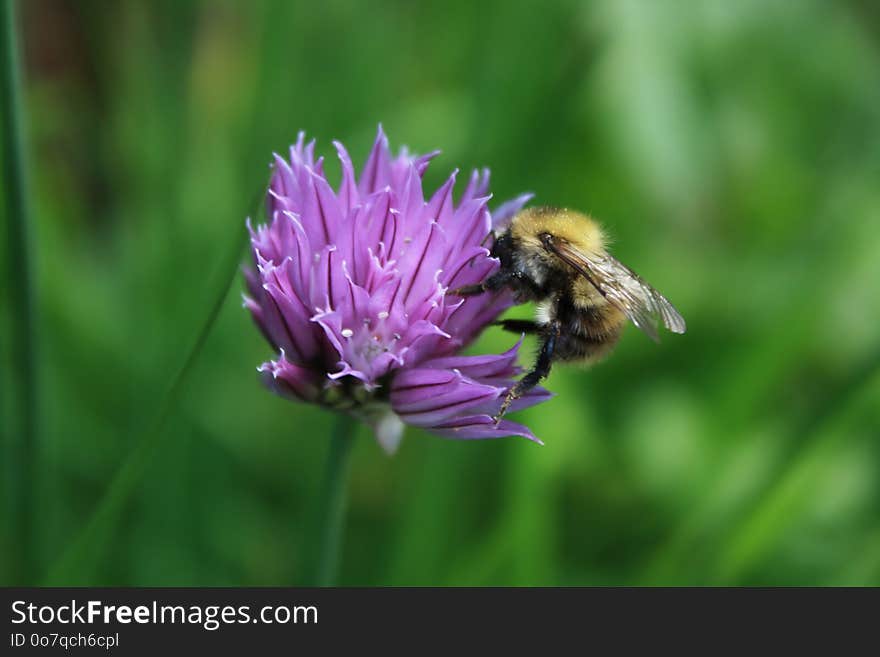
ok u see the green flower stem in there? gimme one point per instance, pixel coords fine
(22, 446)
(334, 501)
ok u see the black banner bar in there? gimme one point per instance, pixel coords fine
(148, 620)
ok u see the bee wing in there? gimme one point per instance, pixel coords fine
(622, 287)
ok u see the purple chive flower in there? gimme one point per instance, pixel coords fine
(349, 289)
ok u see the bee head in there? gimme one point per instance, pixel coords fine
(537, 227)
(502, 248)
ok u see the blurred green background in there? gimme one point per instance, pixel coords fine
(731, 148)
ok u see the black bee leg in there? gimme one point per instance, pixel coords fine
(519, 326)
(496, 281)
(468, 290)
(550, 333)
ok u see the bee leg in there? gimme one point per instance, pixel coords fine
(495, 282)
(468, 290)
(550, 333)
(519, 326)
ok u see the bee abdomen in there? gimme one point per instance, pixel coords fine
(574, 347)
(590, 329)
(596, 320)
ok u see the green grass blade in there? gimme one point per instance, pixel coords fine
(761, 521)
(797, 445)
(78, 563)
(22, 444)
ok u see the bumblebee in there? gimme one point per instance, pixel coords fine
(558, 258)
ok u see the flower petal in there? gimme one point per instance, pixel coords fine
(426, 397)
(483, 366)
(348, 191)
(377, 170)
(289, 380)
(478, 185)
(479, 427)
(505, 212)
(388, 430)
